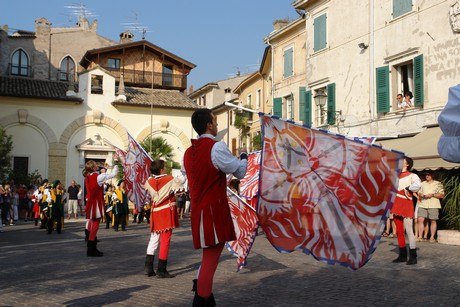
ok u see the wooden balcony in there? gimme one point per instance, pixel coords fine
(149, 79)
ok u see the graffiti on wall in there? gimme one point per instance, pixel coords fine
(444, 59)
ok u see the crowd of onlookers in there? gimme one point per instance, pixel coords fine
(15, 202)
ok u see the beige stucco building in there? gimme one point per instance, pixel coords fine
(350, 59)
(59, 119)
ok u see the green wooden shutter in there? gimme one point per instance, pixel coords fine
(278, 107)
(320, 33)
(308, 109)
(418, 81)
(302, 104)
(401, 7)
(382, 80)
(288, 63)
(331, 104)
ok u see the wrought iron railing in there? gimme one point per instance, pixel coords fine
(149, 79)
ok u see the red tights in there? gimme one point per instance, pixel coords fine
(209, 262)
(165, 240)
(399, 222)
(93, 227)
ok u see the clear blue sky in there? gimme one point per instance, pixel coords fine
(218, 36)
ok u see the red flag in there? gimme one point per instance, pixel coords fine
(245, 222)
(324, 194)
(136, 168)
(249, 185)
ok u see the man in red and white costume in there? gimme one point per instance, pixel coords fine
(403, 212)
(206, 164)
(163, 217)
(95, 204)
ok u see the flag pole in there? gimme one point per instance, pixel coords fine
(242, 200)
(229, 104)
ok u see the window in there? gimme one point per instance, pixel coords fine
(96, 84)
(113, 63)
(288, 63)
(168, 75)
(249, 100)
(20, 63)
(289, 107)
(305, 106)
(406, 77)
(203, 100)
(320, 32)
(400, 7)
(258, 99)
(67, 70)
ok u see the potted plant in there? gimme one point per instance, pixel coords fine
(451, 211)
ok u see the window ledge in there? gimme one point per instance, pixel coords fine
(402, 16)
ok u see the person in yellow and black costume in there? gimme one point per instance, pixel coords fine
(108, 206)
(43, 196)
(56, 207)
(120, 206)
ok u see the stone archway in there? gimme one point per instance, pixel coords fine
(96, 117)
(164, 127)
(23, 117)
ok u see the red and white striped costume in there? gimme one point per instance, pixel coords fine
(403, 205)
(163, 215)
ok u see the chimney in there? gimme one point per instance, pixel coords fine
(279, 23)
(126, 37)
(228, 94)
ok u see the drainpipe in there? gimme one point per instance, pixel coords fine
(272, 90)
(371, 65)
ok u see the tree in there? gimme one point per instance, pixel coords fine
(160, 149)
(6, 146)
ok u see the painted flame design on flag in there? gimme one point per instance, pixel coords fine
(324, 194)
(245, 222)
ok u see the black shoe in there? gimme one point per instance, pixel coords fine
(402, 255)
(162, 272)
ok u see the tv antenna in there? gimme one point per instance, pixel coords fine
(135, 26)
(80, 11)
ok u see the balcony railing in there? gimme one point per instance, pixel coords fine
(149, 79)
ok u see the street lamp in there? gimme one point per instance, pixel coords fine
(320, 98)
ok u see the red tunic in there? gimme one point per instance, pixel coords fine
(163, 215)
(210, 213)
(94, 197)
(403, 205)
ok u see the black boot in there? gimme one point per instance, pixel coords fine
(162, 272)
(402, 255)
(92, 250)
(195, 283)
(86, 234)
(412, 256)
(199, 301)
(149, 265)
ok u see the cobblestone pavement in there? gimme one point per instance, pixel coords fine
(38, 269)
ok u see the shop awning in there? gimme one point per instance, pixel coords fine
(422, 148)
